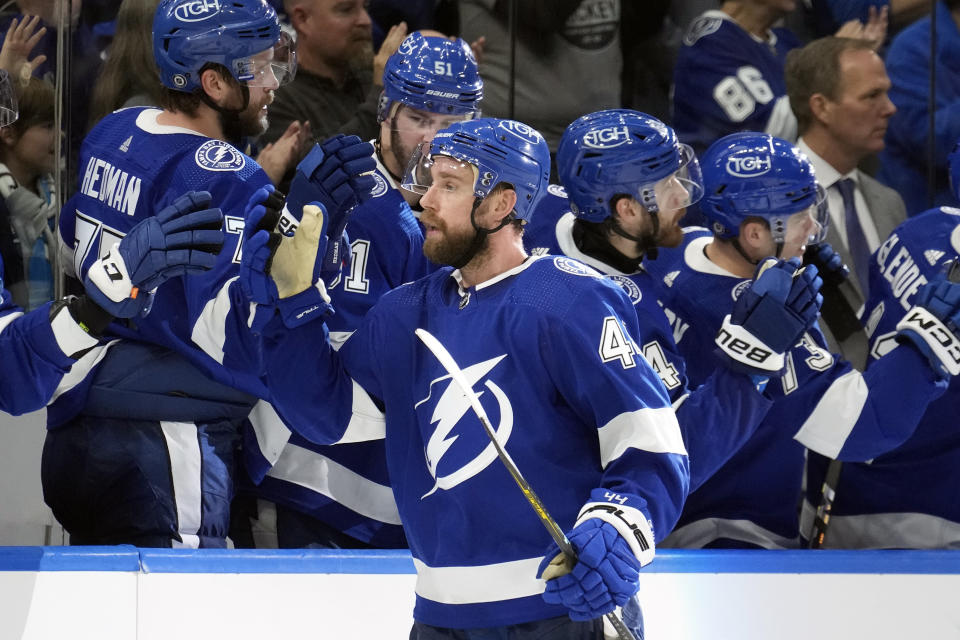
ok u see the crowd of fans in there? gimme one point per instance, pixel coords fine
(851, 92)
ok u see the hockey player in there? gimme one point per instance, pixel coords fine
(904, 499)
(729, 71)
(591, 429)
(762, 199)
(629, 179)
(429, 83)
(153, 432)
(41, 347)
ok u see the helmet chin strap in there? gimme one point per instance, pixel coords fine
(740, 250)
(229, 118)
(479, 237)
(648, 242)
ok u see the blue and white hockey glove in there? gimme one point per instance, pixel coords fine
(282, 271)
(828, 262)
(337, 174)
(933, 326)
(770, 317)
(604, 577)
(185, 237)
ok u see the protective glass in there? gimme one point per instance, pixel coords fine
(271, 68)
(9, 111)
(680, 189)
(423, 124)
(449, 176)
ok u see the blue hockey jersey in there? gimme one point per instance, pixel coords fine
(727, 80)
(549, 348)
(820, 402)
(36, 353)
(907, 498)
(717, 417)
(132, 166)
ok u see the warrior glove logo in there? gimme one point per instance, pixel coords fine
(196, 10)
(748, 166)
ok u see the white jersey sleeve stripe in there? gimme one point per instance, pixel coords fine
(323, 475)
(7, 319)
(81, 369)
(272, 435)
(782, 122)
(830, 423)
(367, 421)
(209, 332)
(653, 430)
(487, 583)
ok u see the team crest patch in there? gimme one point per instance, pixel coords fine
(702, 26)
(628, 285)
(574, 267)
(557, 190)
(739, 289)
(216, 155)
(380, 187)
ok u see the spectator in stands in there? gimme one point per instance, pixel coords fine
(904, 162)
(729, 72)
(335, 89)
(28, 153)
(129, 76)
(838, 91)
(568, 60)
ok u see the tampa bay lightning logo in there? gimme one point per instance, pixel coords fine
(739, 289)
(380, 187)
(449, 410)
(628, 285)
(702, 26)
(557, 190)
(216, 155)
(574, 267)
(196, 10)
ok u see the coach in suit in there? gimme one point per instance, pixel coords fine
(838, 91)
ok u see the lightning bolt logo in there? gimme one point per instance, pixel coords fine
(449, 410)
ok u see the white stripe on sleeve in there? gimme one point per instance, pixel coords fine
(653, 430)
(829, 424)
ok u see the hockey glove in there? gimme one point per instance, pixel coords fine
(933, 326)
(770, 317)
(337, 174)
(185, 237)
(828, 262)
(283, 271)
(604, 577)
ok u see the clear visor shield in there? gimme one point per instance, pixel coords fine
(271, 68)
(8, 100)
(422, 124)
(809, 226)
(447, 176)
(679, 190)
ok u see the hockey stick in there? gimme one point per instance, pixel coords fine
(448, 363)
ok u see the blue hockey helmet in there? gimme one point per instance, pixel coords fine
(620, 151)
(433, 74)
(188, 34)
(501, 151)
(749, 175)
